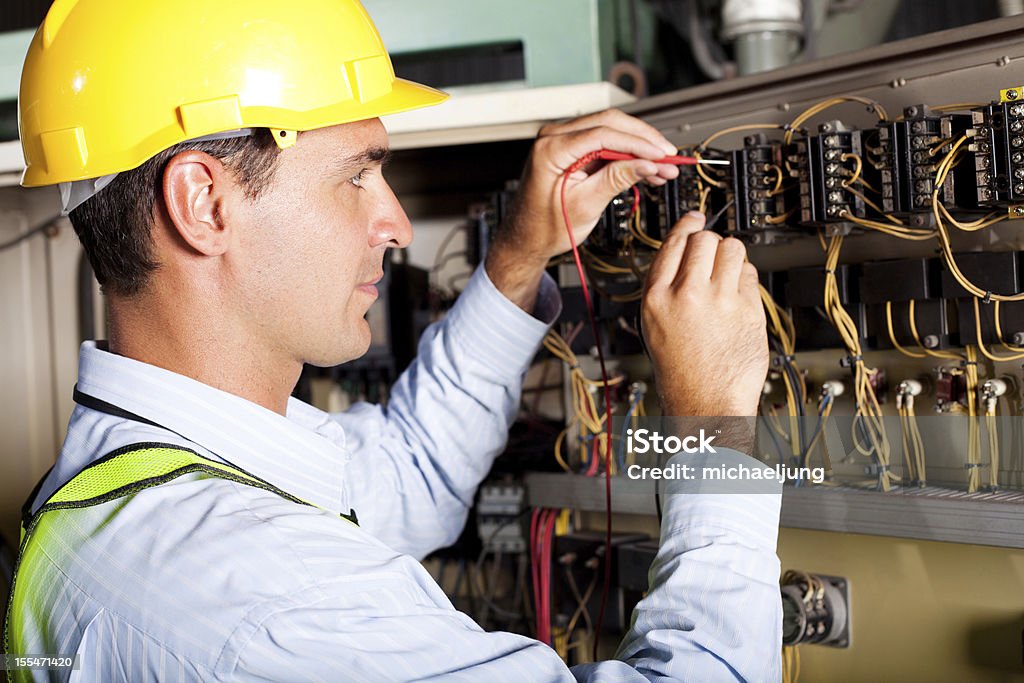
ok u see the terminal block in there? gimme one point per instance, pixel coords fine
(498, 517)
(909, 151)
(998, 147)
(612, 231)
(824, 163)
(679, 196)
(756, 188)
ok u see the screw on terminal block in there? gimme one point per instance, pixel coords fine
(1012, 94)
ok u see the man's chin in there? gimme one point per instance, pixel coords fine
(355, 349)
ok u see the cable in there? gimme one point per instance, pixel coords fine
(973, 432)
(826, 104)
(910, 434)
(981, 342)
(892, 335)
(736, 129)
(867, 412)
(582, 601)
(949, 355)
(542, 526)
(999, 331)
(580, 163)
(585, 414)
(942, 171)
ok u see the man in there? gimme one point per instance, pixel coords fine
(222, 163)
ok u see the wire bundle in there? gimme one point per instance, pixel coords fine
(869, 436)
(780, 327)
(542, 532)
(593, 437)
(989, 401)
(939, 212)
(913, 445)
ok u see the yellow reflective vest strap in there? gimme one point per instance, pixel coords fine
(121, 473)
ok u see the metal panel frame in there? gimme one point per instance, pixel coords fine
(930, 514)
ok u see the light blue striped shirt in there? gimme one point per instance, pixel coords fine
(204, 579)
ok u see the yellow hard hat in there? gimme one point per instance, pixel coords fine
(107, 84)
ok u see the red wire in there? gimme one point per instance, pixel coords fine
(535, 567)
(549, 537)
(606, 584)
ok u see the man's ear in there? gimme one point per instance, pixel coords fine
(197, 190)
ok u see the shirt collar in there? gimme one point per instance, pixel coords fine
(303, 453)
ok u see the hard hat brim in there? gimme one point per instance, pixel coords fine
(408, 95)
(404, 96)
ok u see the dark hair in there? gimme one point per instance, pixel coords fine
(115, 226)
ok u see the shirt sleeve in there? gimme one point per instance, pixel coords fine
(416, 463)
(713, 613)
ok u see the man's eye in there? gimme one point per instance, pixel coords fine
(358, 178)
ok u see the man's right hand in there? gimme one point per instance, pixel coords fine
(704, 324)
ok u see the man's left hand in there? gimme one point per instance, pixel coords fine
(535, 230)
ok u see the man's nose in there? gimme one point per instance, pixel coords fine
(391, 226)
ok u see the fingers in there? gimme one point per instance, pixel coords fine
(565, 149)
(729, 260)
(619, 176)
(749, 281)
(666, 263)
(613, 118)
(699, 259)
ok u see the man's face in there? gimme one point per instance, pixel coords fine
(312, 246)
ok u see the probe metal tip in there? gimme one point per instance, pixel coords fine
(715, 162)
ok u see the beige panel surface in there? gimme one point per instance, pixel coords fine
(922, 611)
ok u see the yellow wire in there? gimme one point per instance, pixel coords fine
(776, 220)
(917, 338)
(902, 233)
(973, 432)
(778, 181)
(822, 106)
(585, 412)
(867, 409)
(983, 222)
(708, 179)
(602, 266)
(638, 232)
(999, 331)
(958, 106)
(947, 250)
(855, 175)
(892, 335)
(866, 200)
(981, 343)
(735, 129)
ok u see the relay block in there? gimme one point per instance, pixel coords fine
(756, 185)
(998, 147)
(824, 163)
(909, 152)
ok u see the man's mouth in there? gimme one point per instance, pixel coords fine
(370, 286)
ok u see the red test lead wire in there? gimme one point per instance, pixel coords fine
(606, 155)
(674, 160)
(577, 165)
